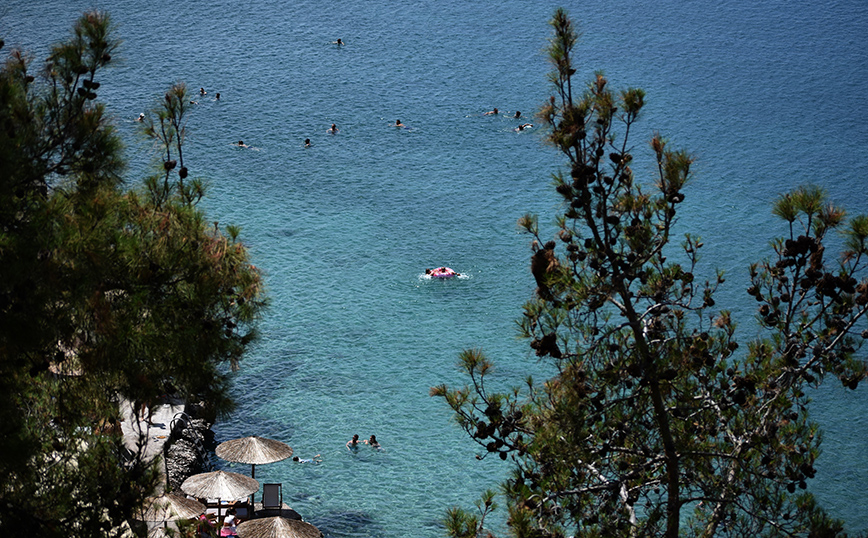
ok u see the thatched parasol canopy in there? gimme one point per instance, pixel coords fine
(253, 450)
(277, 527)
(171, 507)
(219, 485)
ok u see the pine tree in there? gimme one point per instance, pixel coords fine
(658, 423)
(105, 293)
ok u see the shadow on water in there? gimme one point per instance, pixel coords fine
(339, 524)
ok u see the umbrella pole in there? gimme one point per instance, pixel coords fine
(252, 470)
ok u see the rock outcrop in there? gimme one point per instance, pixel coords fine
(187, 452)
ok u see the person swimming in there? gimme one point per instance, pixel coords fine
(202, 91)
(333, 129)
(373, 442)
(399, 124)
(338, 42)
(217, 97)
(353, 444)
(517, 114)
(441, 272)
(307, 143)
(492, 112)
(523, 126)
(141, 117)
(241, 144)
(316, 459)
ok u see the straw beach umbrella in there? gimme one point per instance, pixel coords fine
(278, 527)
(253, 450)
(171, 507)
(219, 485)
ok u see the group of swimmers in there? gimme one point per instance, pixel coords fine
(517, 116)
(202, 91)
(334, 128)
(353, 444)
(331, 130)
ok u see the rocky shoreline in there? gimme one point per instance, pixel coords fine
(189, 449)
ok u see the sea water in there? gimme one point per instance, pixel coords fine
(767, 95)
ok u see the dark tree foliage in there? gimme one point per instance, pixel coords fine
(105, 293)
(657, 422)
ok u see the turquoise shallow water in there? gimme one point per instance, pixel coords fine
(768, 95)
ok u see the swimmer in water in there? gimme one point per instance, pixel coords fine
(316, 459)
(141, 117)
(307, 143)
(353, 444)
(333, 129)
(492, 112)
(523, 126)
(373, 442)
(441, 272)
(338, 42)
(241, 144)
(517, 114)
(217, 98)
(399, 124)
(202, 91)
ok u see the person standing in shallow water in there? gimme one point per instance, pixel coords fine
(353, 444)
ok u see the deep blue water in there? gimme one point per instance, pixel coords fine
(767, 94)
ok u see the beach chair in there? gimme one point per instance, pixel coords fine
(243, 510)
(272, 497)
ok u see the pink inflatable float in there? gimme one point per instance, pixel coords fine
(441, 272)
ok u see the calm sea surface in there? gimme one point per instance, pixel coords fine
(768, 94)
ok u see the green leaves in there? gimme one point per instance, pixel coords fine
(808, 204)
(855, 236)
(166, 125)
(656, 408)
(103, 293)
(633, 100)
